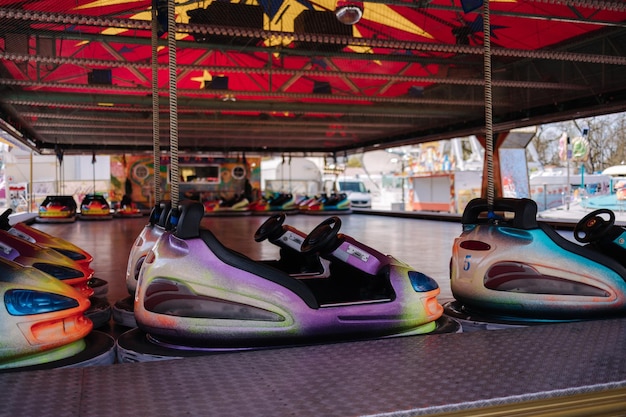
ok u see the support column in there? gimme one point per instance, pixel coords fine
(497, 177)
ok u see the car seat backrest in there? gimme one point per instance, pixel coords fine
(155, 214)
(524, 211)
(240, 261)
(165, 207)
(4, 219)
(188, 223)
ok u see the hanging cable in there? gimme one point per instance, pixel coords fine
(171, 45)
(155, 109)
(488, 107)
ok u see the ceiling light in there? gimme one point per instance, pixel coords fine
(349, 12)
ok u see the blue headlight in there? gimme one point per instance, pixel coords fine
(422, 282)
(28, 302)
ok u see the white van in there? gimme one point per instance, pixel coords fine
(355, 189)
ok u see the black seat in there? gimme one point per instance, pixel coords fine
(191, 213)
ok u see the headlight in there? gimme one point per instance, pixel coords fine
(28, 302)
(422, 282)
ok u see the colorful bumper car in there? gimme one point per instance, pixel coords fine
(195, 293)
(43, 324)
(57, 209)
(336, 203)
(508, 269)
(127, 209)
(274, 203)
(41, 238)
(123, 310)
(59, 266)
(237, 206)
(68, 249)
(95, 207)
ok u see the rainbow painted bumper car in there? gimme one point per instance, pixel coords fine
(507, 268)
(274, 203)
(123, 310)
(47, 260)
(57, 209)
(59, 266)
(95, 207)
(195, 292)
(68, 249)
(42, 323)
(327, 204)
(44, 239)
(238, 205)
(127, 211)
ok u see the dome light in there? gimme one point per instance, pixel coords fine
(349, 12)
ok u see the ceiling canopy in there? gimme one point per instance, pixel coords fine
(304, 76)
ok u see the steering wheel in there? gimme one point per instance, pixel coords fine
(323, 237)
(593, 227)
(272, 228)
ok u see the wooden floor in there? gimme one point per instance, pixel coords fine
(557, 370)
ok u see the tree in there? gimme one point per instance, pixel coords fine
(606, 136)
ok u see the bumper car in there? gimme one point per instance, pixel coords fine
(95, 207)
(275, 203)
(57, 209)
(59, 266)
(127, 211)
(123, 310)
(41, 238)
(287, 238)
(195, 293)
(336, 203)
(43, 324)
(236, 206)
(506, 268)
(68, 249)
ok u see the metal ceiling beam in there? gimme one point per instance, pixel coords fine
(67, 19)
(14, 57)
(224, 120)
(113, 102)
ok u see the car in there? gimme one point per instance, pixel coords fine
(508, 268)
(274, 202)
(123, 309)
(238, 205)
(95, 207)
(127, 211)
(337, 203)
(194, 291)
(47, 260)
(42, 320)
(59, 266)
(39, 237)
(288, 238)
(57, 209)
(356, 191)
(68, 249)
